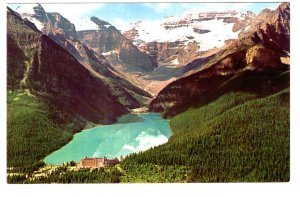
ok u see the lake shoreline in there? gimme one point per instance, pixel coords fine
(131, 134)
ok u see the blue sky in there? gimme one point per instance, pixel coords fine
(121, 14)
(142, 11)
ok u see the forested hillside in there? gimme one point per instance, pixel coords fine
(238, 137)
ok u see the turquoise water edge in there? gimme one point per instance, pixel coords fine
(132, 133)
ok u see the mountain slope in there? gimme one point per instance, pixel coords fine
(230, 120)
(50, 97)
(52, 70)
(251, 63)
(63, 32)
(235, 138)
(177, 40)
(109, 41)
(46, 22)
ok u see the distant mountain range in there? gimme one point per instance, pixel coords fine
(178, 47)
(37, 63)
(222, 78)
(63, 32)
(135, 53)
(254, 62)
(177, 40)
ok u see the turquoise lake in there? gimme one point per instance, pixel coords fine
(132, 133)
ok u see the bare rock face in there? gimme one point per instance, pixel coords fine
(251, 63)
(243, 22)
(51, 22)
(131, 34)
(57, 22)
(109, 39)
(171, 53)
(176, 48)
(258, 58)
(63, 32)
(273, 27)
(51, 73)
(40, 13)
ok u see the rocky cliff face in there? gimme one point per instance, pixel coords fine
(50, 22)
(181, 39)
(54, 75)
(109, 41)
(251, 63)
(171, 53)
(63, 32)
(100, 67)
(273, 27)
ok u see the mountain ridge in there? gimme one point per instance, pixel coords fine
(189, 35)
(64, 33)
(40, 73)
(109, 39)
(228, 107)
(242, 63)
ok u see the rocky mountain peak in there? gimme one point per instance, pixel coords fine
(109, 41)
(177, 40)
(265, 11)
(39, 9)
(249, 63)
(99, 22)
(47, 22)
(251, 13)
(284, 6)
(37, 63)
(284, 16)
(272, 27)
(30, 8)
(40, 13)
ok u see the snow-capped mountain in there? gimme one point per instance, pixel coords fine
(28, 10)
(167, 44)
(100, 36)
(46, 22)
(206, 29)
(251, 63)
(60, 30)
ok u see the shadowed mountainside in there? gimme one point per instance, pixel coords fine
(121, 50)
(55, 76)
(63, 32)
(252, 63)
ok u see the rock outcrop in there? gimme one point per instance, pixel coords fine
(181, 39)
(51, 73)
(50, 22)
(63, 32)
(259, 57)
(109, 41)
(251, 63)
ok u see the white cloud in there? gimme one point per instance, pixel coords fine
(120, 24)
(73, 12)
(209, 7)
(159, 7)
(203, 7)
(26, 8)
(77, 13)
